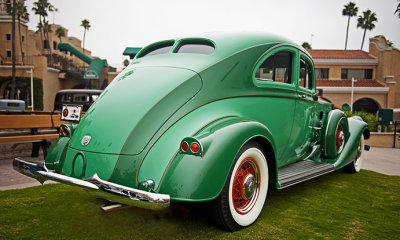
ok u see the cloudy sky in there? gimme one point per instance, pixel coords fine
(117, 24)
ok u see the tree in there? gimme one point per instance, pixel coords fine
(60, 33)
(349, 10)
(306, 45)
(40, 8)
(389, 43)
(86, 25)
(125, 63)
(21, 13)
(398, 10)
(10, 7)
(366, 22)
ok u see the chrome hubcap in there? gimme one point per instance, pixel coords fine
(249, 186)
(358, 156)
(341, 141)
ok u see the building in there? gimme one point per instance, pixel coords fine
(376, 74)
(53, 69)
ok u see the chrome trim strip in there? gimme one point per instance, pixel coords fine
(108, 190)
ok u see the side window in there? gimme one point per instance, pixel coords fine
(276, 68)
(305, 78)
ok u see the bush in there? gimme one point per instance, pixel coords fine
(369, 118)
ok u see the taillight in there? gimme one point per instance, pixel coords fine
(194, 147)
(66, 130)
(184, 146)
(191, 146)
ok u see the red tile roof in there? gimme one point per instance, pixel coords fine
(347, 83)
(339, 54)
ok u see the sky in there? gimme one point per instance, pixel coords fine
(116, 24)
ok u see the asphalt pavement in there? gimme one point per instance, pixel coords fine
(381, 160)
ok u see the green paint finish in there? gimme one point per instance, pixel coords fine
(57, 152)
(85, 164)
(135, 106)
(138, 123)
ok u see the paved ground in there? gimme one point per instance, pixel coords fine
(382, 160)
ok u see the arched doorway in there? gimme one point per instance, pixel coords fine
(365, 105)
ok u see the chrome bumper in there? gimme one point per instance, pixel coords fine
(98, 187)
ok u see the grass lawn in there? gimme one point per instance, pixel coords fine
(334, 206)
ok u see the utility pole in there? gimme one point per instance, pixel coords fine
(352, 93)
(31, 72)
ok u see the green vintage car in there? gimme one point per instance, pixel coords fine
(217, 117)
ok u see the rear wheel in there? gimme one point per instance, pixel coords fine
(355, 165)
(244, 193)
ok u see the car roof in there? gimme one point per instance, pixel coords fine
(231, 42)
(226, 45)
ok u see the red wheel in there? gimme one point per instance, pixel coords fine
(340, 139)
(246, 186)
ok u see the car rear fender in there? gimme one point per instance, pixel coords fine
(201, 178)
(57, 154)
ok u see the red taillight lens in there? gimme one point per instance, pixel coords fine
(194, 147)
(60, 132)
(65, 112)
(185, 146)
(65, 131)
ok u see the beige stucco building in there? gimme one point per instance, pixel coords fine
(376, 74)
(53, 69)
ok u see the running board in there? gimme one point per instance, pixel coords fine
(302, 171)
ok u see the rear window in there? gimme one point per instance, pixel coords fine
(197, 47)
(157, 49)
(66, 97)
(80, 97)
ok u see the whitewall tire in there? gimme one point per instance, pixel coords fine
(243, 197)
(355, 165)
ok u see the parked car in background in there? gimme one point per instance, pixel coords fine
(216, 117)
(12, 104)
(84, 97)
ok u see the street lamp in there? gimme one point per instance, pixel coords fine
(352, 93)
(31, 72)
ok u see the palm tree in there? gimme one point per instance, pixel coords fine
(398, 10)
(39, 29)
(10, 7)
(40, 8)
(21, 14)
(86, 25)
(366, 22)
(306, 45)
(60, 33)
(349, 10)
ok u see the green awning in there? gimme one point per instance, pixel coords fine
(95, 68)
(131, 52)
